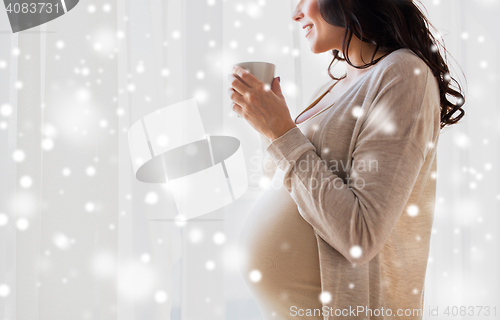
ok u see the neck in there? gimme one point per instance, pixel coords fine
(359, 55)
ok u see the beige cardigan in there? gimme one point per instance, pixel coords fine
(366, 183)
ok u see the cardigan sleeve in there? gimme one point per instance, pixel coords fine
(356, 217)
(268, 165)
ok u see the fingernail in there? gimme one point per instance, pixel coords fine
(279, 79)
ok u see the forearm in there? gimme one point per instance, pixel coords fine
(355, 219)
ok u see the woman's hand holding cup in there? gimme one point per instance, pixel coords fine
(262, 105)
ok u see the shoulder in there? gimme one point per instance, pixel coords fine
(404, 94)
(403, 63)
(402, 70)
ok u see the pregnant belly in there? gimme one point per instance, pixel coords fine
(281, 252)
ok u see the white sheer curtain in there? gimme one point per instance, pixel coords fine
(80, 238)
(465, 244)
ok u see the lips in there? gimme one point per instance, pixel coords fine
(308, 28)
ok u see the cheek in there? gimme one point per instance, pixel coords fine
(311, 10)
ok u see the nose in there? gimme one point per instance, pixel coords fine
(297, 13)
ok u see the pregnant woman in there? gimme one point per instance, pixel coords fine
(344, 230)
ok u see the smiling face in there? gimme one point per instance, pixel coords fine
(321, 35)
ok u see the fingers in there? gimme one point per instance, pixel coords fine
(237, 109)
(247, 77)
(237, 84)
(235, 96)
(276, 87)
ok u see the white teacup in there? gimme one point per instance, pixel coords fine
(264, 71)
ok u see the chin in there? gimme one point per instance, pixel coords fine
(316, 50)
(317, 47)
(313, 47)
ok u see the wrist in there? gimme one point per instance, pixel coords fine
(279, 133)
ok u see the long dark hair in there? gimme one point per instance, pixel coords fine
(391, 25)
